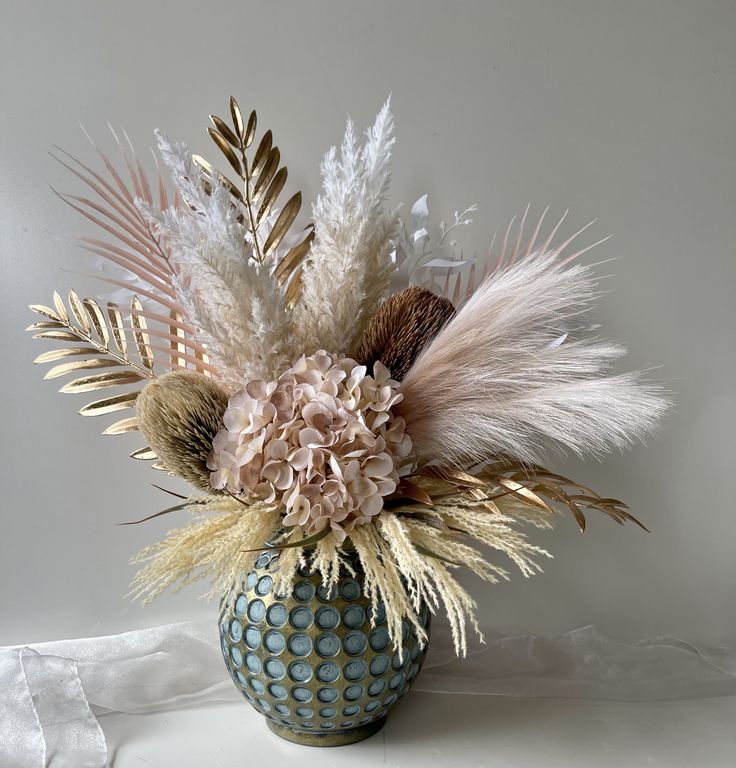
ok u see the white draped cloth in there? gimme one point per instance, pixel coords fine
(53, 692)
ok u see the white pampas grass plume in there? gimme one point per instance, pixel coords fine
(508, 377)
(233, 300)
(350, 267)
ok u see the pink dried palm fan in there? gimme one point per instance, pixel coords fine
(135, 248)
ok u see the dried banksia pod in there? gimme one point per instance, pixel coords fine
(179, 414)
(405, 323)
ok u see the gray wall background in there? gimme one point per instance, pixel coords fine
(621, 110)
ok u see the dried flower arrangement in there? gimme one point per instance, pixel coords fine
(353, 384)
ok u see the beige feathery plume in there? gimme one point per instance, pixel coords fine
(290, 560)
(328, 559)
(221, 545)
(408, 561)
(403, 326)
(180, 413)
(384, 581)
(407, 555)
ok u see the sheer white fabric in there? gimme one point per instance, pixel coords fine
(53, 691)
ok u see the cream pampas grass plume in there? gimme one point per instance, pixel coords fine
(179, 414)
(511, 375)
(220, 544)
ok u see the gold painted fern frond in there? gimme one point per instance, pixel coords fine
(104, 342)
(262, 179)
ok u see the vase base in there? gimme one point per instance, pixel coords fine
(329, 739)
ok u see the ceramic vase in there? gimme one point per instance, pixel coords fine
(312, 662)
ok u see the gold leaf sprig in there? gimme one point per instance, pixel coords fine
(533, 486)
(262, 180)
(104, 344)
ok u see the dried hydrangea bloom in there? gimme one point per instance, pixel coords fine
(322, 441)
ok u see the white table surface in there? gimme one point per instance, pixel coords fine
(432, 730)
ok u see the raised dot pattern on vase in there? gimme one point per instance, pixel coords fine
(311, 660)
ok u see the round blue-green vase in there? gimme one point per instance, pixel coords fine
(312, 663)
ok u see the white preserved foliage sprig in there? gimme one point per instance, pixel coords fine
(431, 257)
(350, 267)
(427, 256)
(231, 297)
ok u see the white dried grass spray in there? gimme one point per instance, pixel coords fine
(350, 267)
(232, 298)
